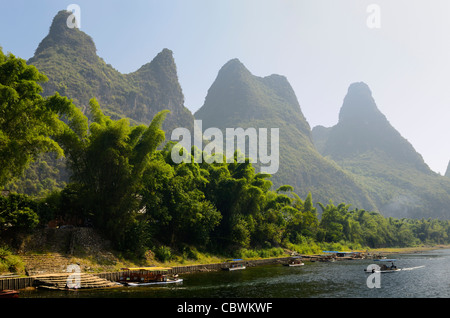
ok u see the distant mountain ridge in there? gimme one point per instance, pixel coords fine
(68, 57)
(237, 98)
(447, 173)
(365, 143)
(363, 160)
(362, 127)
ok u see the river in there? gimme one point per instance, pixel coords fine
(341, 279)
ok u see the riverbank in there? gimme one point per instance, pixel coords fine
(38, 264)
(52, 250)
(288, 253)
(43, 263)
(408, 250)
(338, 280)
(198, 266)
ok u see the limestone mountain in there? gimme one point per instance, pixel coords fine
(447, 173)
(68, 57)
(237, 98)
(365, 143)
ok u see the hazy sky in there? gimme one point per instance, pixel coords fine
(321, 46)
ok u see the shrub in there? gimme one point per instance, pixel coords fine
(163, 253)
(190, 252)
(9, 262)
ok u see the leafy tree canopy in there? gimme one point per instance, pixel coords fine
(29, 123)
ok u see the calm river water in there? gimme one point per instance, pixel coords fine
(342, 279)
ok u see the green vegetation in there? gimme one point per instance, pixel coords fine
(69, 60)
(68, 57)
(396, 177)
(117, 174)
(133, 193)
(18, 212)
(237, 98)
(47, 173)
(29, 123)
(10, 262)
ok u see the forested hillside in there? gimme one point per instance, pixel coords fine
(237, 98)
(68, 57)
(396, 176)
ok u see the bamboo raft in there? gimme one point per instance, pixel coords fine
(70, 281)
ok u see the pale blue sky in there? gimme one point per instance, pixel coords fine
(321, 46)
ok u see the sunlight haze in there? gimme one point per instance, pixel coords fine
(320, 46)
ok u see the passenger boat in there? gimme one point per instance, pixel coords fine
(390, 269)
(295, 261)
(235, 265)
(145, 276)
(9, 293)
(384, 268)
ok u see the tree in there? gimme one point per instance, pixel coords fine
(175, 203)
(332, 222)
(240, 195)
(17, 211)
(108, 160)
(309, 214)
(29, 123)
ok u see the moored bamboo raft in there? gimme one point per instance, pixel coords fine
(68, 281)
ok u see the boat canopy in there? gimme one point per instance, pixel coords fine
(150, 269)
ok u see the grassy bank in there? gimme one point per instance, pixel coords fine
(408, 250)
(256, 254)
(206, 258)
(10, 263)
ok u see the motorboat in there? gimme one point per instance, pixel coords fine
(295, 261)
(235, 264)
(384, 268)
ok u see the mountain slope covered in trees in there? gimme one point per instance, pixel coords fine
(237, 98)
(365, 143)
(69, 59)
(363, 160)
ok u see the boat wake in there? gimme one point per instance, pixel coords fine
(411, 268)
(393, 270)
